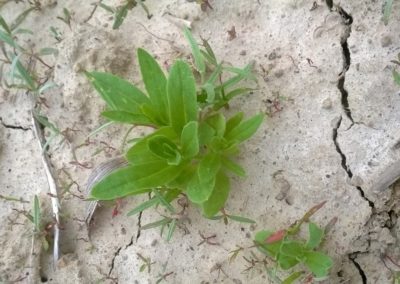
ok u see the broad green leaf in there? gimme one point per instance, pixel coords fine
(135, 179)
(241, 219)
(268, 249)
(234, 121)
(4, 25)
(140, 153)
(190, 140)
(184, 178)
(209, 167)
(149, 111)
(36, 214)
(164, 148)
(182, 100)
(316, 235)
(287, 262)
(293, 249)
(218, 197)
(127, 117)
(233, 167)
(396, 77)
(318, 263)
(155, 83)
(143, 206)
(199, 191)
(206, 133)
(198, 57)
(293, 277)
(118, 93)
(217, 122)
(245, 129)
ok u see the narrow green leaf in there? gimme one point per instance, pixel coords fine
(387, 11)
(48, 51)
(318, 263)
(24, 73)
(155, 83)
(8, 39)
(135, 179)
(106, 7)
(21, 17)
(245, 130)
(127, 117)
(143, 206)
(171, 229)
(23, 31)
(120, 16)
(190, 140)
(48, 85)
(293, 277)
(316, 236)
(4, 25)
(118, 93)
(210, 52)
(218, 197)
(198, 58)
(182, 100)
(241, 219)
(234, 121)
(164, 202)
(156, 224)
(396, 77)
(100, 128)
(233, 167)
(237, 92)
(209, 88)
(36, 214)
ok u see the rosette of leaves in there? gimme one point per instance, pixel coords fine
(193, 146)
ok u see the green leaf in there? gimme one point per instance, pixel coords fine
(48, 51)
(316, 236)
(118, 93)
(4, 25)
(155, 83)
(218, 197)
(24, 74)
(198, 58)
(143, 206)
(293, 249)
(120, 16)
(234, 121)
(8, 39)
(241, 219)
(287, 262)
(271, 249)
(135, 179)
(127, 117)
(164, 202)
(396, 77)
(199, 191)
(209, 88)
(206, 133)
(293, 277)
(164, 148)
(237, 92)
(140, 152)
(233, 167)
(21, 17)
(190, 140)
(106, 7)
(217, 122)
(182, 100)
(318, 263)
(209, 166)
(156, 224)
(36, 214)
(245, 129)
(387, 11)
(171, 229)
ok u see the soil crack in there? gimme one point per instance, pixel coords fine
(117, 253)
(16, 127)
(348, 21)
(353, 258)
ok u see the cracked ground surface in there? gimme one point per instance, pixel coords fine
(334, 136)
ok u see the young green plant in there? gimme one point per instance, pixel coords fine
(193, 147)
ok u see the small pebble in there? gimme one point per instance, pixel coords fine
(327, 104)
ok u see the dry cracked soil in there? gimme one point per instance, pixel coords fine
(332, 133)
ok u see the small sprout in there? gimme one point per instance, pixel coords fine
(66, 17)
(146, 263)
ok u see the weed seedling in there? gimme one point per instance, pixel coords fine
(286, 249)
(192, 149)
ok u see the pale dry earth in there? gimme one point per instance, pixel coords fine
(335, 138)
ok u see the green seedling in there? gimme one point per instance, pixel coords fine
(66, 17)
(288, 251)
(387, 11)
(193, 147)
(147, 263)
(122, 11)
